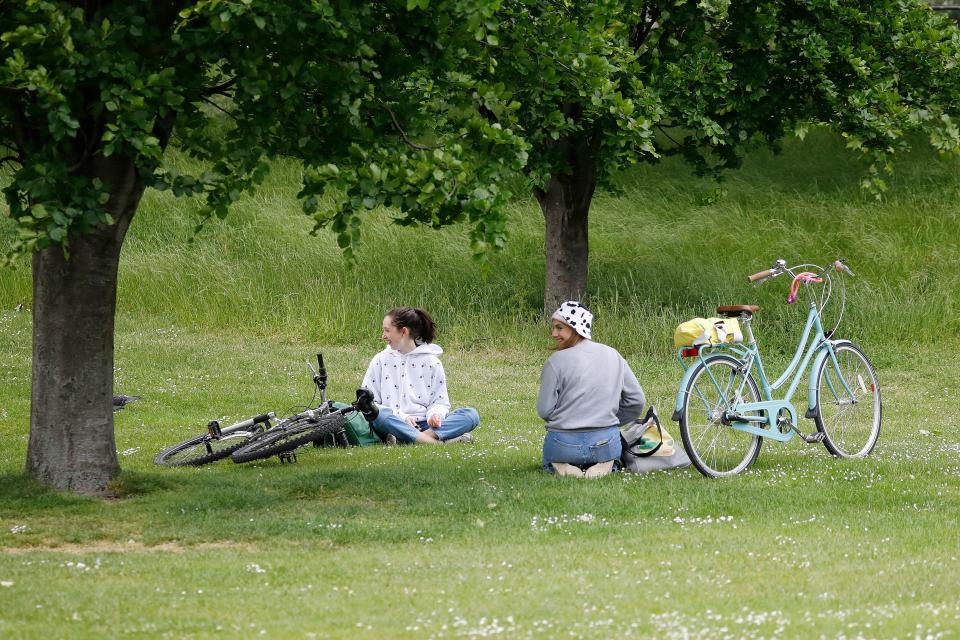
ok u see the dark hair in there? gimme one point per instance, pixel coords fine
(421, 325)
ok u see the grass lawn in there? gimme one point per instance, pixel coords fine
(473, 540)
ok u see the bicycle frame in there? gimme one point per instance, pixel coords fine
(811, 351)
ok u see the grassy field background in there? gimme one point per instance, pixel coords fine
(474, 541)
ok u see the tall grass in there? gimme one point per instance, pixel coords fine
(657, 258)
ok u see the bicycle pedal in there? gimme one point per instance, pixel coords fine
(814, 438)
(289, 456)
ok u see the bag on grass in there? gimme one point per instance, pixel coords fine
(359, 431)
(648, 447)
(707, 330)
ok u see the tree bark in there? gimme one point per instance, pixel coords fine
(72, 446)
(565, 202)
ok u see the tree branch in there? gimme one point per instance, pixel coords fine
(216, 106)
(163, 128)
(220, 89)
(17, 126)
(89, 145)
(645, 24)
(448, 195)
(554, 58)
(663, 130)
(403, 134)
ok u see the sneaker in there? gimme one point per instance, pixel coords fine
(599, 470)
(390, 440)
(465, 438)
(564, 469)
(365, 405)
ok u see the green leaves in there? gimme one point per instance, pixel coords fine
(428, 108)
(432, 188)
(234, 83)
(716, 78)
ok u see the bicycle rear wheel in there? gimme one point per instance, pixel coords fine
(287, 437)
(849, 410)
(204, 448)
(717, 386)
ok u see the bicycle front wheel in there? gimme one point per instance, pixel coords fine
(288, 437)
(849, 411)
(204, 448)
(718, 385)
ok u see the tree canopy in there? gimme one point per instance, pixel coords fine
(345, 86)
(372, 96)
(604, 84)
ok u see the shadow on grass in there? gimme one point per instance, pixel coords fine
(395, 497)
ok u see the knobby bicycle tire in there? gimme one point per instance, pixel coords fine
(288, 437)
(203, 449)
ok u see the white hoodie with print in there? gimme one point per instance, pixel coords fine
(409, 384)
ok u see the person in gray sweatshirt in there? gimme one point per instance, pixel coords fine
(587, 390)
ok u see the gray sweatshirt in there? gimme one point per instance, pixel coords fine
(588, 386)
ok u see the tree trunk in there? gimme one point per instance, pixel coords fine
(72, 445)
(565, 203)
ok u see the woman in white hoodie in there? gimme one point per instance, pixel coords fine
(404, 392)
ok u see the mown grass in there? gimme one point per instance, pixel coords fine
(468, 541)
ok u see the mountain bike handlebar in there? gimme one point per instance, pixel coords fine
(249, 422)
(319, 377)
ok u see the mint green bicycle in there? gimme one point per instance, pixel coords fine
(725, 415)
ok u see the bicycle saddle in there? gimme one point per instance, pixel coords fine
(735, 310)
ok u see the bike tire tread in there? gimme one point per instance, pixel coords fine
(281, 440)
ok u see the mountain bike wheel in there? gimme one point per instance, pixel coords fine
(850, 424)
(204, 448)
(718, 385)
(288, 437)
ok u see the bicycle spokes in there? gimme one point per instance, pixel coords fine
(848, 404)
(718, 386)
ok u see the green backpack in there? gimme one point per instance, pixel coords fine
(359, 431)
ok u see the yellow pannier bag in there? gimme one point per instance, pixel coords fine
(707, 330)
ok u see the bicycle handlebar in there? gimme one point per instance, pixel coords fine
(319, 377)
(760, 276)
(781, 267)
(840, 265)
(249, 422)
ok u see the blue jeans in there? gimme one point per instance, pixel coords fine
(456, 423)
(581, 447)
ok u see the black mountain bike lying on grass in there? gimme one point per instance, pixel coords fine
(260, 437)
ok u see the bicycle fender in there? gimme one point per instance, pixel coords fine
(812, 377)
(687, 374)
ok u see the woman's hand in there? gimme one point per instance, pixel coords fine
(410, 420)
(434, 421)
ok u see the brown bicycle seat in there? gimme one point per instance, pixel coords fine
(734, 310)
